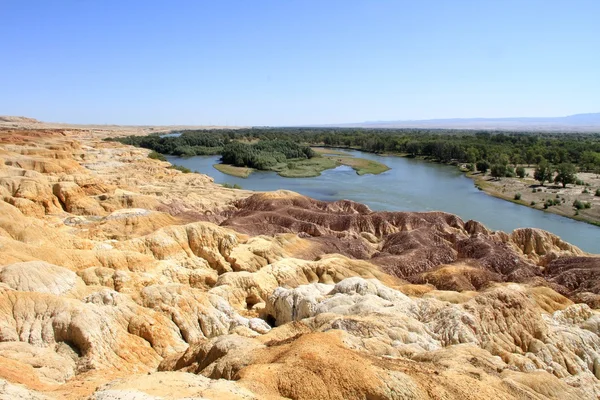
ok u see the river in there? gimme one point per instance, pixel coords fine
(410, 185)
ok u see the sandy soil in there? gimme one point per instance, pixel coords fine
(98, 129)
(535, 195)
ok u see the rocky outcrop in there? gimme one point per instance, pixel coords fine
(41, 277)
(418, 247)
(171, 386)
(505, 320)
(123, 279)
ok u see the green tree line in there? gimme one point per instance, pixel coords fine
(492, 148)
(264, 154)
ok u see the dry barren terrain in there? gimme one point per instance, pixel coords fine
(123, 279)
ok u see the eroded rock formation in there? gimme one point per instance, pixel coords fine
(123, 279)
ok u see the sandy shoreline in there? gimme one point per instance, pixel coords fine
(533, 195)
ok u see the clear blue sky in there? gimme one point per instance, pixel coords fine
(291, 62)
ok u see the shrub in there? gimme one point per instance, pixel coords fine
(597, 192)
(517, 196)
(482, 166)
(578, 204)
(498, 170)
(230, 186)
(587, 204)
(532, 203)
(520, 172)
(181, 168)
(156, 156)
(533, 190)
(579, 182)
(539, 189)
(585, 191)
(551, 202)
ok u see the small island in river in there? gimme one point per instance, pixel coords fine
(322, 160)
(242, 153)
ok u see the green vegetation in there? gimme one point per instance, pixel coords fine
(279, 149)
(186, 145)
(551, 202)
(517, 196)
(443, 145)
(483, 166)
(565, 174)
(230, 186)
(498, 171)
(264, 155)
(362, 166)
(329, 151)
(181, 168)
(597, 193)
(190, 151)
(156, 156)
(305, 168)
(242, 172)
(286, 158)
(543, 172)
(578, 204)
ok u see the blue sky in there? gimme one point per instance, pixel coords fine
(291, 62)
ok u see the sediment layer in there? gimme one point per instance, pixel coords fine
(121, 278)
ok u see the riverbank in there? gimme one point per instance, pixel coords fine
(510, 188)
(548, 198)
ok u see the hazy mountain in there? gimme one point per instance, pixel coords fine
(572, 123)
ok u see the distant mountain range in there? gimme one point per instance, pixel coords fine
(572, 123)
